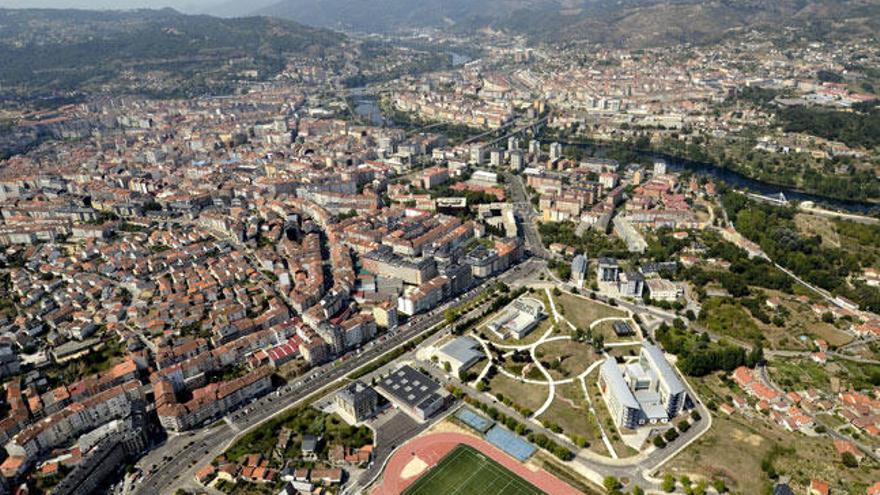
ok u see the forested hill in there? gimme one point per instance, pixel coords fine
(47, 52)
(632, 23)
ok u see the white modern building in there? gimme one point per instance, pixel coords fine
(518, 319)
(646, 391)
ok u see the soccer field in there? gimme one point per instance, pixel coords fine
(465, 471)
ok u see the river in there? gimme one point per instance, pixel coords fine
(739, 181)
(367, 106)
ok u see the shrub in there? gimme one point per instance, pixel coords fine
(668, 484)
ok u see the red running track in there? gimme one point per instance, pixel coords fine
(433, 447)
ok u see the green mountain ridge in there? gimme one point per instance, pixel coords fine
(47, 52)
(631, 23)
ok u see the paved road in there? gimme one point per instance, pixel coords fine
(526, 212)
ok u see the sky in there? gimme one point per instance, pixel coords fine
(183, 5)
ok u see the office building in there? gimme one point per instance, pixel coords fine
(608, 270)
(555, 151)
(631, 284)
(356, 402)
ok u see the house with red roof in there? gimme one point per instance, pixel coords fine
(819, 487)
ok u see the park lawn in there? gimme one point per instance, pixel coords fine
(466, 471)
(525, 395)
(512, 366)
(624, 351)
(582, 311)
(606, 330)
(566, 358)
(569, 410)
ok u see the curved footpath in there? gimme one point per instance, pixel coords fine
(432, 447)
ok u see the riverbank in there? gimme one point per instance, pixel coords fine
(733, 178)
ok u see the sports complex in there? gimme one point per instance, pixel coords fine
(467, 471)
(450, 462)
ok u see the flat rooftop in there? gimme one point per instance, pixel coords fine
(408, 386)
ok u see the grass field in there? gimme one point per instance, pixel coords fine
(569, 410)
(566, 358)
(581, 311)
(465, 471)
(524, 395)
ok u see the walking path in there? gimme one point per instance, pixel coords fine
(583, 380)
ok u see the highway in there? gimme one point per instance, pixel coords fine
(172, 464)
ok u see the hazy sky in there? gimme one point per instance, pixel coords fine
(185, 5)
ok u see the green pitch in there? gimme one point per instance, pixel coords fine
(465, 471)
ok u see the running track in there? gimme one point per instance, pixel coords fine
(433, 447)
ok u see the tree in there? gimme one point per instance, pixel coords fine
(755, 356)
(637, 490)
(659, 442)
(450, 315)
(447, 366)
(668, 484)
(849, 460)
(611, 483)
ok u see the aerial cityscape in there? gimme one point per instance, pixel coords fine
(470, 247)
